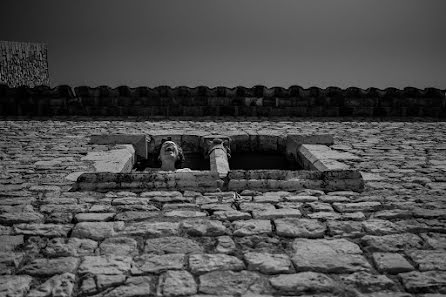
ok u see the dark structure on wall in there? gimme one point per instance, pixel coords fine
(23, 64)
(258, 101)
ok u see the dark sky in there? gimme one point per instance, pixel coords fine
(363, 43)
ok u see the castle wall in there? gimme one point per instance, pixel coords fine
(389, 239)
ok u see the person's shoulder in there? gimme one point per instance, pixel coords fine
(184, 170)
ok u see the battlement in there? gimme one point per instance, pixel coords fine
(258, 101)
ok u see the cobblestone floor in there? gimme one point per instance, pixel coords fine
(389, 240)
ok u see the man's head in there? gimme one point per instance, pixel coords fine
(171, 156)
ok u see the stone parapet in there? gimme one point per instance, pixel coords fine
(258, 101)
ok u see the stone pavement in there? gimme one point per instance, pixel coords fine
(389, 240)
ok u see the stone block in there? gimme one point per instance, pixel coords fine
(153, 229)
(176, 283)
(252, 227)
(48, 267)
(120, 246)
(105, 265)
(392, 263)
(10, 243)
(424, 282)
(138, 141)
(303, 282)
(133, 287)
(231, 283)
(148, 263)
(305, 228)
(276, 213)
(392, 243)
(203, 227)
(120, 159)
(203, 263)
(428, 259)
(61, 285)
(268, 263)
(46, 230)
(15, 285)
(368, 283)
(328, 256)
(97, 230)
(172, 245)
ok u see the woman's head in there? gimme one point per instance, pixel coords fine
(171, 156)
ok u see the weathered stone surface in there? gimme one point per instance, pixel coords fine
(333, 198)
(424, 282)
(14, 285)
(225, 245)
(105, 265)
(9, 218)
(391, 263)
(203, 227)
(300, 198)
(429, 260)
(133, 287)
(367, 282)
(217, 207)
(9, 261)
(58, 285)
(64, 208)
(158, 263)
(230, 283)
(202, 263)
(47, 267)
(185, 214)
(176, 283)
(134, 202)
(381, 227)
(97, 230)
(319, 206)
(119, 159)
(435, 240)
(104, 281)
(136, 215)
(166, 196)
(10, 243)
(231, 215)
(95, 217)
(153, 229)
(276, 213)
(252, 227)
(392, 243)
(268, 263)
(303, 282)
(358, 206)
(122, 246)
(300, 228)
(58, 247)
(47, 230)
(248, 206)
(344, 228)
(172, 245)
(390, 214)
(294, 205)
(329, 256)
(5, 230)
